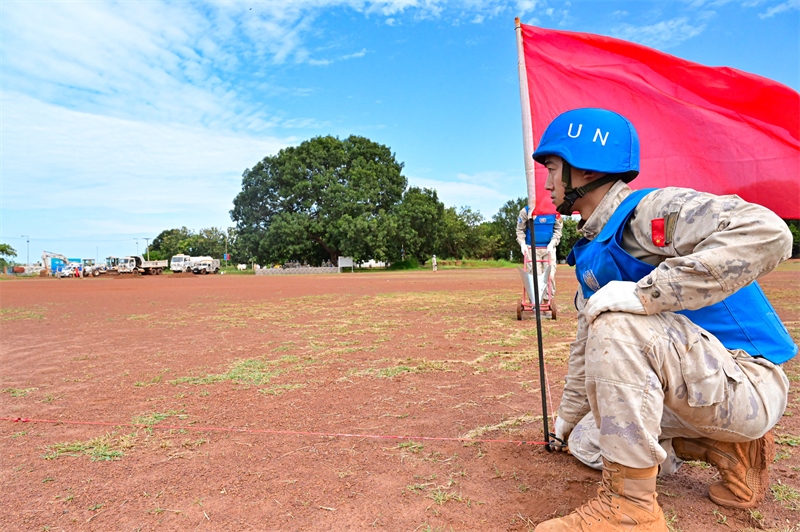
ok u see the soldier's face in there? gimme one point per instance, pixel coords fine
(553, 184)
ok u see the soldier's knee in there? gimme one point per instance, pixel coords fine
(614, 333)
(618, 322)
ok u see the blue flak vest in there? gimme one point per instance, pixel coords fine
(543, 226)
(744, 320)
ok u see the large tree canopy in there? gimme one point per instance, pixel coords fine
(324, 198)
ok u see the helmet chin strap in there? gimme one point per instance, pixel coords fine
(571, 195)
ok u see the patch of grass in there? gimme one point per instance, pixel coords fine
(412, 446)
(154, 380)
(19, 392)
(441, 496)
(253, 371)
(106, 447)
(789, 497)
(418, 488)
(698, 463)
(671, 516)
(508, 425)
(385, 373)
(14, 314)
(157, 417)
(408, 366)
(787, 439)
(281, 389)
(781, 454)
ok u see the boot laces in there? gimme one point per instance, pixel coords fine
(601, 507)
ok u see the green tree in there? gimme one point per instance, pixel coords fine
(206, 242)
(505, 222)
(461, 237)
(324, 198)
(171, 242)
(419, 225)
(6, 251)
(569, 235)
(487, 242)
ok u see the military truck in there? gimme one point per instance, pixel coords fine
(136, 265)
(205, 265)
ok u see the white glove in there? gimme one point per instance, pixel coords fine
(616, 296)
(525, 252)
(563, 430)
(551, 248)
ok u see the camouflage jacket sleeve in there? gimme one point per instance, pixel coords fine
(713, 246)
(522, 226)
(574, 402)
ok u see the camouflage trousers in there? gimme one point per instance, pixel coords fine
(542, 258)
(653, 378)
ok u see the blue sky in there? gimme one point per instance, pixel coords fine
(121, 119)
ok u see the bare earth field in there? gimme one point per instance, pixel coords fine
(316, 402)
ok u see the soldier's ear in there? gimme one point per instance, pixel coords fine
(590, 175)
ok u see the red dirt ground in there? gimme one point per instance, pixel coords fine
(243, 383)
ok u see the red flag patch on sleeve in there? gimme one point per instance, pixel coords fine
(657, 228)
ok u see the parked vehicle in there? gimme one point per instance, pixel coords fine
(205, 265)
(46, 262)
(111, 267)
(71, 269)
(136, 265)
(182, 263)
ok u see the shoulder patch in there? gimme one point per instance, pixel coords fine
(657, 232)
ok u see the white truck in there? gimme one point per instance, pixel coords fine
(205, 265)
(136, 265)
(182, 263)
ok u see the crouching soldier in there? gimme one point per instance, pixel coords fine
(678, 352)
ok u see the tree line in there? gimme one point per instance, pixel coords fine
(328, 197)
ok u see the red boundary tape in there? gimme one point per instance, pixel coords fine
(266, 431)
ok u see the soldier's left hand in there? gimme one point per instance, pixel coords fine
(616, 296)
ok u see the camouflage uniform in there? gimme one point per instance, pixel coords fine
(637, 381)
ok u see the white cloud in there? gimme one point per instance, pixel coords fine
(661, 35)
(780, 8)
(57, 158)
(485, 192)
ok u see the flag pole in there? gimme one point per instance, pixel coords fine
(530, 178)
(527, 122)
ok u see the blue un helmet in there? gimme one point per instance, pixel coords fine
(591, 139)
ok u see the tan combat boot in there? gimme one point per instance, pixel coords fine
(626, 501)
(743, 467)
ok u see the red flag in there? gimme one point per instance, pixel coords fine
(714, 129)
